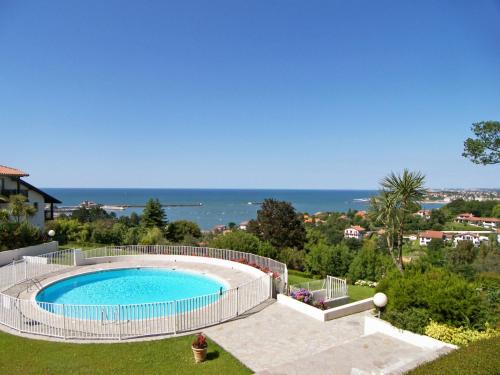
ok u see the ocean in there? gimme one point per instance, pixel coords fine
(218, 206)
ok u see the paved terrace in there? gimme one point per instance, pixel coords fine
(279, 340)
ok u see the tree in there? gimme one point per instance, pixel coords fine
(369, 263)
(241, 241)
(399, 198)
(485, 148)
(154, 215)
(180, 230)
(19, 208)
(278, 223)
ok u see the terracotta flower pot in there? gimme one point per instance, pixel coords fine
(199, 354)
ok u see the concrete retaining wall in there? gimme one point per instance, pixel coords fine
(324, 315)
(374, 325)
(16, 254)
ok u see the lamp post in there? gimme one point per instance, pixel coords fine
(51, 234)
(379, 300)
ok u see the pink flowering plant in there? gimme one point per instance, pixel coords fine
(303, 295)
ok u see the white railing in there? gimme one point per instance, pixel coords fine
(116, 322)
(335, 287)
(265, 264)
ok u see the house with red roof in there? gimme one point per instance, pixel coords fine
(429, 235)
(12, 183)
(486, 222)
(355, 231)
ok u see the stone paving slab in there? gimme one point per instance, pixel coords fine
(279, 340)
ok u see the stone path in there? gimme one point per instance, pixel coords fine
(278, 340)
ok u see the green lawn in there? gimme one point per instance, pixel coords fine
(297, 277)
(170, 356)
(479, 358)
(459, 226)
(83, 246)
(358, 292)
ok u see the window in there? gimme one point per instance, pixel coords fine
(35, 204)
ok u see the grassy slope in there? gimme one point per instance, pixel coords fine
(169, 356)
(479, 358)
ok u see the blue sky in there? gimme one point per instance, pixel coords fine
(255, 94)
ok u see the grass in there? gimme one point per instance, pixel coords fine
(83, 246)
(169, 356)
(297, 277)
(479, 358)
(459, 226)
(356, 292)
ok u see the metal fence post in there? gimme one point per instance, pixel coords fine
(237, 300)
(119, 323)
(175, 317)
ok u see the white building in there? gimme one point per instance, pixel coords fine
(429, 235)
(243, 225)
(12, 184)
(355, 231)
(475, 239)
(426, 214)
(486, 222)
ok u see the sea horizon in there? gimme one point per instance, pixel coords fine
(213, 206)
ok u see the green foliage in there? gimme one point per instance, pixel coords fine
(293, 258)
(19, 208)
(153, 236)
(87, 215)
(478, 208)
(16, 235)
(479, 358)
(485, 148)
(323, 259)
(495, 212)
(242, 241)
(154, 215)
(183, 231)
(278, 223)
(369, 263)
(434, 293)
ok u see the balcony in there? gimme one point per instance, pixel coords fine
(8, 192)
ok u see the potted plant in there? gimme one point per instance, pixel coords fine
(199, 347)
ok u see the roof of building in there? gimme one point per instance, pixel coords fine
(361, 213)
(491, 219)
(358, 228)
(46, 197)
(9, 171)
(245, 222)
(432, 234)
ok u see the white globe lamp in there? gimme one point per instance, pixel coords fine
(51, 233)
(379, 300)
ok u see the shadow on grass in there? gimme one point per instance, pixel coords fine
(213, 355)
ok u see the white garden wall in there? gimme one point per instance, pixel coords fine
(16, 254)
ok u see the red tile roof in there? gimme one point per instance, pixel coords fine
(8, 171)
(432, 234)
(358, 228)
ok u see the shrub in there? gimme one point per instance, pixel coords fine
(458, 336)
(14, 235)
(153, 236)
(237, 240)
(433, 292)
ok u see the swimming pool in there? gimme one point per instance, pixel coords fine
(109, 294)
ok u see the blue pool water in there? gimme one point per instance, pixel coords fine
(131, 286)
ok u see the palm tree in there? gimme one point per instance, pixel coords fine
(400, 197)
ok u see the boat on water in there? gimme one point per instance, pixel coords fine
(113, 208)
(361, 199)
(254, 203)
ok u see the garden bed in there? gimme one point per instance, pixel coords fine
(341, 307)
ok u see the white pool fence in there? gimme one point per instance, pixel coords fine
(116, 322)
